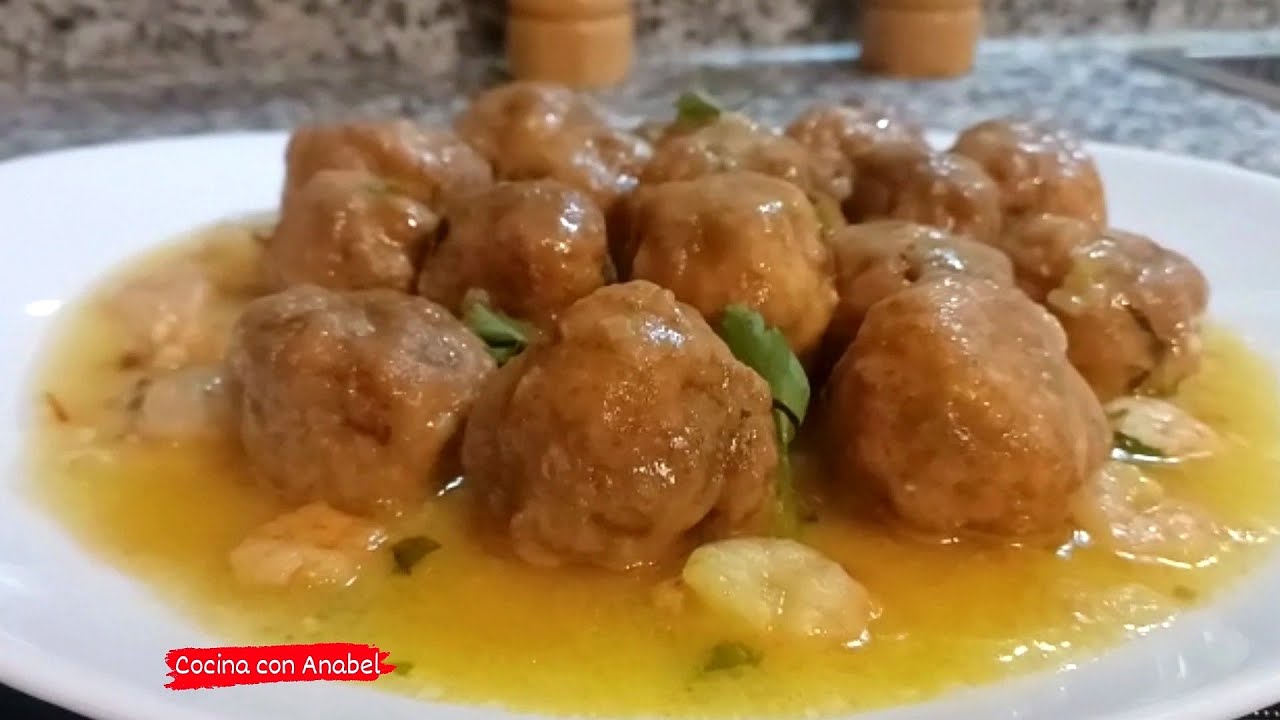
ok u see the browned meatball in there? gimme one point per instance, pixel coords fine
(500, 120)
(351, 398)
(733, 142)
(534, 247)
(738, 237)
(876, 259)
(956, 402)
(627, 436)
(910, 182)
(434, 166)
(840, 134)
(531, 131)
(1038, 169)
(349, 230)
(1131, 308)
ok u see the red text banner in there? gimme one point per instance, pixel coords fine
(198, 668)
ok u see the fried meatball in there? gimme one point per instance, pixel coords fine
(1131, 308)
(349, 230)
(876, 259)
(1039, 169)
(733, 142)
(531, 131)
(351, 398)
(840, 134)
(534, 247)
(627, 436)
(909, 182)
(738, 237)
(956, 403)
(433, 166)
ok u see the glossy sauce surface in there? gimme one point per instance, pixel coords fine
(473, 625)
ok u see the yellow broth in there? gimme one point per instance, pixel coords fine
(472, 625)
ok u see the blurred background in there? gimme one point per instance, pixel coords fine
(51, 40)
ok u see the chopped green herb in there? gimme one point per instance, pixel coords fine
(505, 336)
(730, 656)
(1184, 593)
(1135, 449)
(695, 108)
(409, 552)
(403, 667)
(765, 350)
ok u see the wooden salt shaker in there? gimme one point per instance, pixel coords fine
(920, 38)
(579, 43)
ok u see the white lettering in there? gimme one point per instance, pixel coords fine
(275, 666)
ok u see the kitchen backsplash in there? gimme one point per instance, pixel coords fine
(59, 39)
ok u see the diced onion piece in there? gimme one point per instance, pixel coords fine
(181, 404)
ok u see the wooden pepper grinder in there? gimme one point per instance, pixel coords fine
(579, 43)
(920, 38)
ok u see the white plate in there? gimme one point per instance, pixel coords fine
(79, 634)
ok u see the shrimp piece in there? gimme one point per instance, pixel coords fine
(314, 545)
(779, 586)
(1127, 512)
(1162, 426)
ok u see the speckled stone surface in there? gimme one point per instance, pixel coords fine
(50, 40)
(1089, 86)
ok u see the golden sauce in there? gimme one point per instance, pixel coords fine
(471, 626)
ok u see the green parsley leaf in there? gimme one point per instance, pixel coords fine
(695, 108)
(505, 336)
(730, 656)
(404, 667)
(765, 350)
(409, 552)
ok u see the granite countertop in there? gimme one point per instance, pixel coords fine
(1089, 85)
